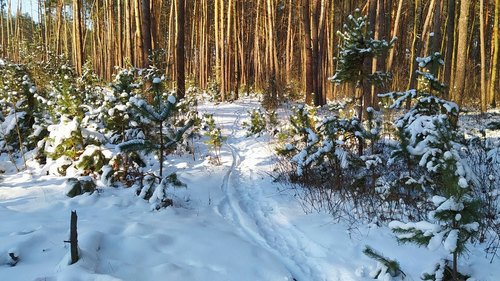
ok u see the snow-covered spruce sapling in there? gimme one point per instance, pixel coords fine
(429, 137)
(93, 159)
(20, 108)
(385, 265)
(215, 137)
(158, 114)
(64, 96)
(356, 48)
(321, 145)
(455, 220)
(300, 135)
(420, 143)
(257, 122)
(117, 115)
(64, 144)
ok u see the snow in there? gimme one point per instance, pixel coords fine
(9, 124)
(59, 132)
(232, 222)
(462, 182)
(171, 99)
(450, 205)
(450, 244)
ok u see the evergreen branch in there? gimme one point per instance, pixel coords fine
(137, 145)
(179, 134)
(393, 267)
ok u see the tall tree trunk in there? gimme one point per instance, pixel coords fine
(415, 49)
(59, 36)
(395, 31)
(367, 91)
(119, 37)
(78, 50)
(138, 42)
(128, 32)
(379, 63)
(181, 83)
(450, 41)
(483, 57)
(309, 87)
(146, 33)
(494, 61)
(436, 29)
(288, 53)
(459, 81)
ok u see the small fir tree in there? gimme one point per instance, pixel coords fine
(164, 136)
(356, 48)
(425, 128)
(257, 122)
(215, 137)
(116, 112)
(385, 266)
(429, 137)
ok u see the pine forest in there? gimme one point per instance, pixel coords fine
(295, 140)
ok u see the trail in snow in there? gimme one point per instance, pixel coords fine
(258, 218)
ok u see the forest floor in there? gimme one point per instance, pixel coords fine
(232, 222)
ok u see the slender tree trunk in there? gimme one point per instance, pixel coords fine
(180, 50)
(370, 65)
(483, 57)
(128, 33)
(78, 52)
(426, 29)
(146, 33)
(119, 35)
(450, 40)
(308, 51)
(436, 29)
(459, 82)
(59, 36)
(379, 63)
(494, 61)
(415, 49)
(395, 31)
(138, 42)
(288, 55)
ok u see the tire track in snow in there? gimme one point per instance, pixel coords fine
(246, 208)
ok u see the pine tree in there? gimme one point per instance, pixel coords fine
(356, 48)
(215, 137)
(158, 114)
(419, 129)
(116, 113)
(386, 265)
(429, 136)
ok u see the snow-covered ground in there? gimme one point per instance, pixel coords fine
(232, 222)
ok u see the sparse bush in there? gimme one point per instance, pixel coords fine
(215, 137)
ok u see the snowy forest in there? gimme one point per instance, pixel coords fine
(294, 140)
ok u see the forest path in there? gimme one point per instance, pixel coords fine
(247, 205)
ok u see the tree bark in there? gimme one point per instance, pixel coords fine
(484, 101)
(459, 81)
(78, 50)
(494, 61)
(181, 83)
(450, 40)
(146, 33)
(395, 31)
(309, 87)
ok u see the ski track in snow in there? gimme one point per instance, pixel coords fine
(245, 206)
